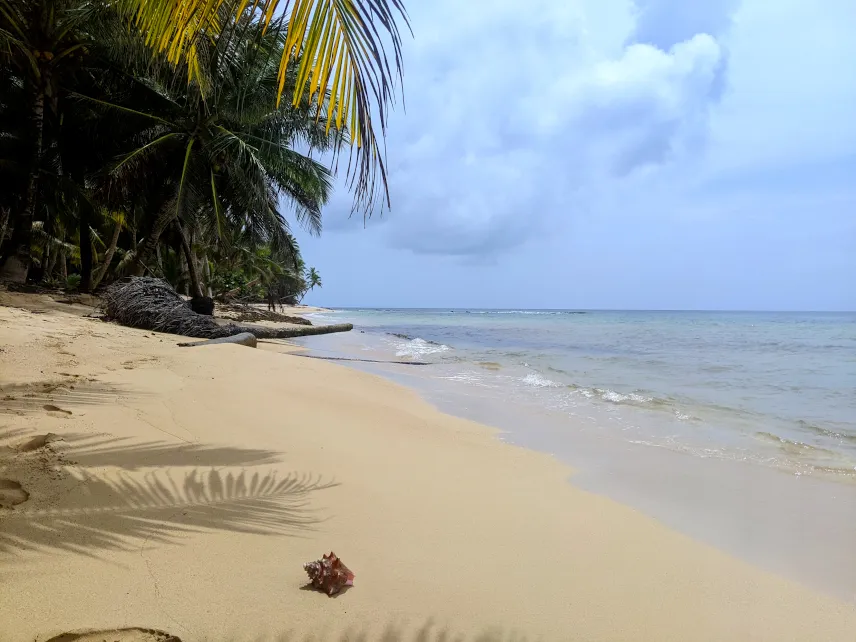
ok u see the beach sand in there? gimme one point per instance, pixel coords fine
(182, 490)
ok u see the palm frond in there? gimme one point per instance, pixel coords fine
(339, 46)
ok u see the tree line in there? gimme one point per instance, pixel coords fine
(120, 157)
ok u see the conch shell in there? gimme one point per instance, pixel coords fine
(329, 574)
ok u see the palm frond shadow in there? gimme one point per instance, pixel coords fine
(122, 512)
(20, 398)
(8, 436)
(91, 451)
(393, 632)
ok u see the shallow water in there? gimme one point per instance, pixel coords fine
(774, 389)
(728, 465)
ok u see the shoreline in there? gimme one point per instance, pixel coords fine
(141, 509)
(801, 527)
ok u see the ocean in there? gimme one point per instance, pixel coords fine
(774, 389)
(735, 428)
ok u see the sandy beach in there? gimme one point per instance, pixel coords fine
(182, 489)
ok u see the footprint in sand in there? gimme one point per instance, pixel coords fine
(39, 441)
(11, 493)
(52, 408)
(116, 635)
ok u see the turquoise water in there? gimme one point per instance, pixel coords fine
(777, 389)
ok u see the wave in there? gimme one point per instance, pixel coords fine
(605, 394)
(827, 432)
(416, 348)
(466, 377)
(407, 337)
(793, 447)
(532, 312)
(637, 399)
(537, 381)
(840, 471)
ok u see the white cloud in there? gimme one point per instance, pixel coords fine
(606, 154)
(511, 113)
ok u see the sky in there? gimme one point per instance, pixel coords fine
(611, 154)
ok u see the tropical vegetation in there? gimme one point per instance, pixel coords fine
(149, 136)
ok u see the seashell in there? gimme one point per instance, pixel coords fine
(329, 574)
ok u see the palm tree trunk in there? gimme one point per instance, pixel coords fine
(85, 249)
(108, 257)
(49, 267)
(4, 222)
(206, 270)
(63, 266)
(15, 265)
(147, 247)
(192, 268)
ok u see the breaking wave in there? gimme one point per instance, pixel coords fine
(416, 348)
(537, 381)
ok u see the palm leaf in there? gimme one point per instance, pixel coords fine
(339, 46)
(128, 157)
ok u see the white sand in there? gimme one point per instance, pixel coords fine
(188, 486)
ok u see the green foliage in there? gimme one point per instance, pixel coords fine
(139, 168)
(72, 282)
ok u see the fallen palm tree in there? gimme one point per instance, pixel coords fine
(152, 304)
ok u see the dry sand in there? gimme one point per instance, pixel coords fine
(182, 489)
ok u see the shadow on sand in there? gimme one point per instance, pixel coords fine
(428, 632)
(76, 505)
(120, 512)
(92, 451)
(22, 398)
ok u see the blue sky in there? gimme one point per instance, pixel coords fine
(656, 154)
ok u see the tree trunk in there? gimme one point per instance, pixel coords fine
(15, 265)
(49, 268)
(63, 266)
(206, 270)
(147, 247)
(108, 257)
(192, 268)
(85, 249)
(4, 223)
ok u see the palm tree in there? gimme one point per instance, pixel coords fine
(118, 219)
(224, 158)
(337, 44)
(313, 280)
(108, 146)
(41, 41)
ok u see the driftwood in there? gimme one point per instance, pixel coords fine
(300, 331)
(243, 339)
(152, 304)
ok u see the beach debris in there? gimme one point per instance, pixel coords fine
(152, 304)
(329, 574)
(11, 493)
(131, 634)
(39, 441)
(52, 408)
(243, 339)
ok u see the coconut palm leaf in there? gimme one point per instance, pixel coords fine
(339, 48)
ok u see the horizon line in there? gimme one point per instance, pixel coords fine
(455, 309)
